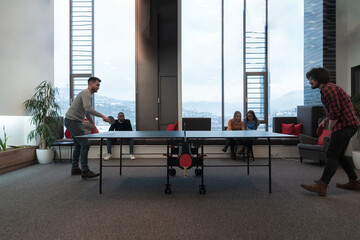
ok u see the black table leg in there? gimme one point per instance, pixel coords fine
(167, 185)
(100, 182)
(120, 156)
(202, 187)
(269, 144)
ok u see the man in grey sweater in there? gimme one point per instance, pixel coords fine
(74, 117)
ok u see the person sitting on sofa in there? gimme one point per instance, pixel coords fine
(251, 122)
(121, 124)
(234, 124)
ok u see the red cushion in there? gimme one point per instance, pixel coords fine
(176, 126)
(67, 134)
(94, 130)
(173, 127)
(170, 127)
(298, 128)
(325, 133)
(288, 128)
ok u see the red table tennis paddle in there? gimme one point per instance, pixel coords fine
(185, 161)
(319, 130)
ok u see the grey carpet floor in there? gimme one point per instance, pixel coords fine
(45, 202)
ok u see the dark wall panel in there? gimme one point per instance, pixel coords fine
(146, 66)
(156, 58)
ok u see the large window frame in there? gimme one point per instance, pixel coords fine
(81, 45)
(77, 77)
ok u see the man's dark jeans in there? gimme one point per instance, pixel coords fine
(339, 141)
(111, 141)
(81, 146)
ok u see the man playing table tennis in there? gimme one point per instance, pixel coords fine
(343, 124)
(121, 124)
(74, 117)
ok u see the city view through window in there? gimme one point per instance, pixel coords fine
(114, 62)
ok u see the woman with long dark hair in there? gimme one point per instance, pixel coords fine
(251, 122)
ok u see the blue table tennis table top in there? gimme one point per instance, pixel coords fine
(188, 134)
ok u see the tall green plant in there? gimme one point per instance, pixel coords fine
(43, 108)
(3, 141)
(355, 100)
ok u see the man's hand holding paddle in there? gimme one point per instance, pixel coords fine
(106, 119)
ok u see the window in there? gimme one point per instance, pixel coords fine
(61, 53)
(233, 59)
(286, 57)
(114, 43)
(114, 58)
(103, 45)
(201, 60)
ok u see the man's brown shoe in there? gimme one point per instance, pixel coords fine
(241, 150)
(352, 185)
(319, 187)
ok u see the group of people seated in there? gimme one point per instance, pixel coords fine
(250, 122)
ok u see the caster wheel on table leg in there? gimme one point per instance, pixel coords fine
(172, 172)
(167, 189)
(202, 189)
(198, 172)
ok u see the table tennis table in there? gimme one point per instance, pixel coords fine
(176, 140)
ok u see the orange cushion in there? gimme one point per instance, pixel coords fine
(288, 128)
(298, 128)
(325, 133)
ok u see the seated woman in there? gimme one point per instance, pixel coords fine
(234, 124)
(251, 122)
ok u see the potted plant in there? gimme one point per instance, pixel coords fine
(3, 141)
(12, 158)
(43, 109)
(355, 141)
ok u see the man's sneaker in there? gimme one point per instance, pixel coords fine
(352, 185)
(88, 174)
(319, 187)
(108, 157)
(132, 156)
(75, 171)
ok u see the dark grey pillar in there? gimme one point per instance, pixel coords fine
(156, 64)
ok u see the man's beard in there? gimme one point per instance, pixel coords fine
(94, 90)
(316, 85)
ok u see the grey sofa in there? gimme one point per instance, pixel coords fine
(307, 115)
(309, 149)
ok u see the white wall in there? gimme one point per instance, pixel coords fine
(347, 49)
(26, 59)
(347, 41)
(26, 50)
(16, 128)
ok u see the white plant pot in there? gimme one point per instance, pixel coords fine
(45, 156)
(356, 159)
